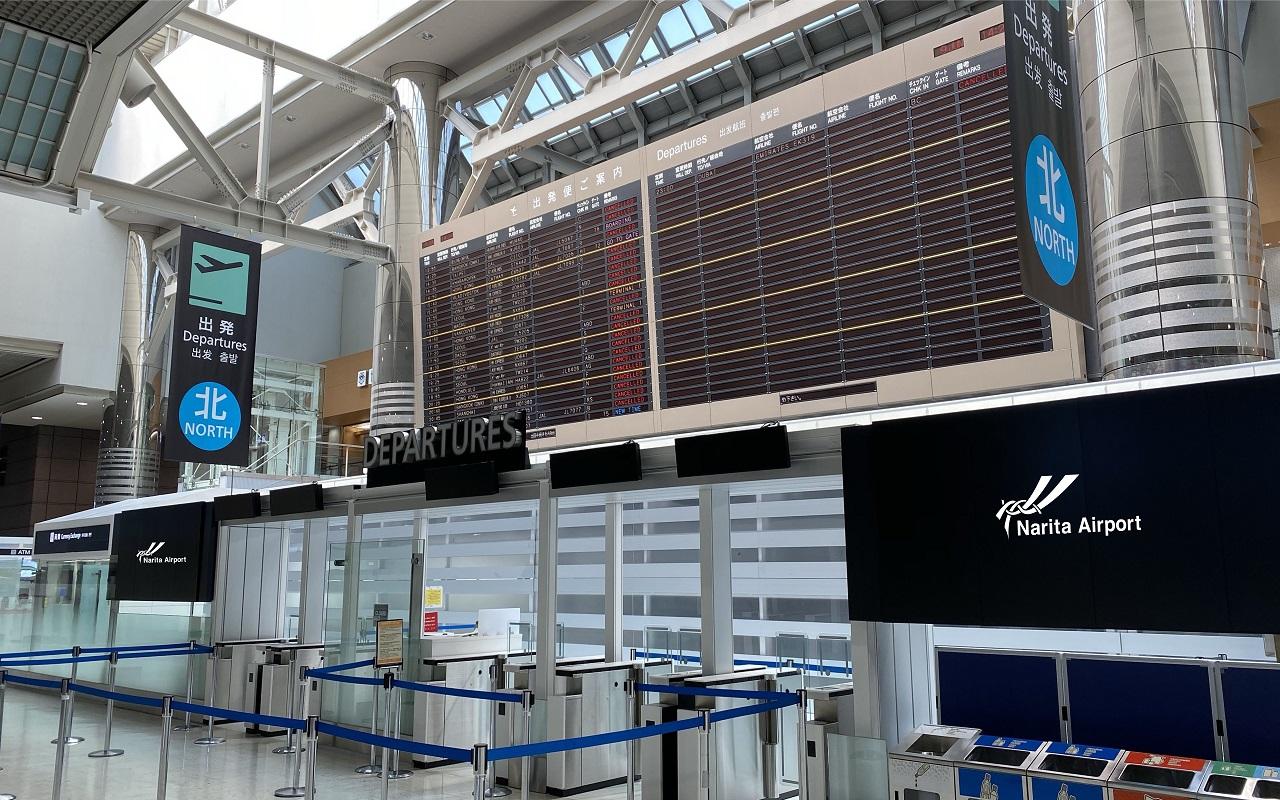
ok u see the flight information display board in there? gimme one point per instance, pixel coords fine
(873, 238)
(546, 314)
(846, 243)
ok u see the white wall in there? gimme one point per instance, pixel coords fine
(357, 307)
(299, 306)
(61, 279)
(1109, 642)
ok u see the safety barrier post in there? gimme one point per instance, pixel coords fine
(75, 670)
(293, 770)
(494, 790)
(526, 705)
(802, 754)
(64, 720)
(480, 765)
(209, 740)
(288, 747)
(312, 746)
(632, 720)
(393, 701)
(372, 768)
(387, 679)
(4, 677)
(191, 670)
(107, 750)
(704, 755)
(166, 732)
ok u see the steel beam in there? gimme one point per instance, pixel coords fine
(720, 10)
(350, 211)
(617, 93)
(215, 29)
(224, 180)
(264, 128)
(573, 69)
(872, 17)
(541, 154)
(475, 186)
(294, 200)
(638, 40)
(211, 215)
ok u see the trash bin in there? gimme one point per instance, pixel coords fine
(1072, 771)
(1229, 780)
(923, 765)
(1151, 776)
(995, 768)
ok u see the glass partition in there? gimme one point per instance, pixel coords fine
(70, 607)
(161, 623)
(17, 580)
(857, 768)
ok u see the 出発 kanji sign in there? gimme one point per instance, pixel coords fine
(214, 326)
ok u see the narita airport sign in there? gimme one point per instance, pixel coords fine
(477, 438)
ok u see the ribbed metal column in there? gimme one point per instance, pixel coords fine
(1177, 236)
(420, 186)
(129, 447)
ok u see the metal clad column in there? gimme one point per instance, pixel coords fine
(416, 195)
(1177, 235)
(129, 446)
(613, 532)
(544, 673)
(895, 680)
(716, 568)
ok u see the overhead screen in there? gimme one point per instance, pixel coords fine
(841, 244)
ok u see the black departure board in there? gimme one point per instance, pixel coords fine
(875, 238)
(548, 315)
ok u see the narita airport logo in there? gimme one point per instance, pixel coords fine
(151, 555)
(1014, 511)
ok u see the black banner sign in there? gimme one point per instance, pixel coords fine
(167, 553)
(1048, 174)
(214, 328)
(84, 539)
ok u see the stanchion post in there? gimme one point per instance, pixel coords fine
(387, 679)
(526, 706)
(107, 751)
(209, 740)
(4, 680)
(64, 720)
(630, 687)
(480, 765)
(494, 790)
(372, 768)
(288, 747)
(312, 746)
(293, 770)
(166, 732)
(704, 755)
(393, 702)
(191, 670)
(75, 671)
(802, 755)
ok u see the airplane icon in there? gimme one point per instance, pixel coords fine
(216, 266)
(219, 278)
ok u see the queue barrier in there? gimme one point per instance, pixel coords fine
(803, 666)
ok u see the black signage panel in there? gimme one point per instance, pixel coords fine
(166, 553)
(749, 450)
(595, 466)
(297, 500)
(214, 328)
(16, 551)
(1048, 168)
(1131, 511)
(82, 539)
(243, 505)
(404, 456)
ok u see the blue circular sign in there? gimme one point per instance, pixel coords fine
(1051, 210)
(209, 416)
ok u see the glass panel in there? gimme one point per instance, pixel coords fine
(161, 623)
(71, 608)
(17, 577)
(858, 768)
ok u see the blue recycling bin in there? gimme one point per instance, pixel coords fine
(1066, 771)
(996, 768)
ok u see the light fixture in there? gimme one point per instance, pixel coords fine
(244, 145)
(427, 36)
(81, 403)
(290, 118)
(37, 419)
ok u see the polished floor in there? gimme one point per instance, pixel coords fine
(243, 767)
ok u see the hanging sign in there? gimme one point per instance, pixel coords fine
(214, 328)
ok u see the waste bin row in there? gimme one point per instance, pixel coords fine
(948, 763)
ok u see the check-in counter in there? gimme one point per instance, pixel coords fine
(1064, 771)
(923, 765)
(1151, 776)
(1227, 780)
(996, 768)
(458, 662)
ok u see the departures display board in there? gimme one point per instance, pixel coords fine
(845, 243)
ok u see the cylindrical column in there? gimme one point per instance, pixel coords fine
(480, 765)
(166, 731)
(417, 193)
(107, 750)
(129, 445)
(1177, 235)
(64, 722)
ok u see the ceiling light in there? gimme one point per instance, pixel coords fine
(244, 145)
(37, 419)
(81, 403)
(290, 118)
(427, 36)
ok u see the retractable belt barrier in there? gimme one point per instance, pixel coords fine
(755, 662)
(711, 691)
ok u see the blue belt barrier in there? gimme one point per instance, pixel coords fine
(419, 748)
(497, 697)
(597, 740)
(42, 683)
(183, 652)
(31, 653)
(464, 627)
(53, 661)
(138, 648)
(759, 708)
(119, 697)
(752, 662)
(355, 679)
(708, 691)
(240, 716)
(368, 662)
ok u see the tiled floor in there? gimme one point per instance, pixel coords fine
(243, 767)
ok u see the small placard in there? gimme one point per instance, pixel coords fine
(389, 650)
(430, 622)
(381, 611)
(433, 597)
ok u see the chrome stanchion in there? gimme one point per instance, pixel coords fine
(526, 706)
(312, 736)
(393, 702)
(704, 755)
(75, 670)
(493, 789)
(4, 677)
(372, 768)
(288, 747)
(480, 764)
(107, 750)
(802, 755)
(385, 772)
(294, 766)
(632, 716)
(191, 670)
(166, 732)
(64, 721)
(209, 740)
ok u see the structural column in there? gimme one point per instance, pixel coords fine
(613, 532)
(548, 548)
(1177, 236)
(129, 446)
(419, 188)
(716, 568)
(894, 678)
